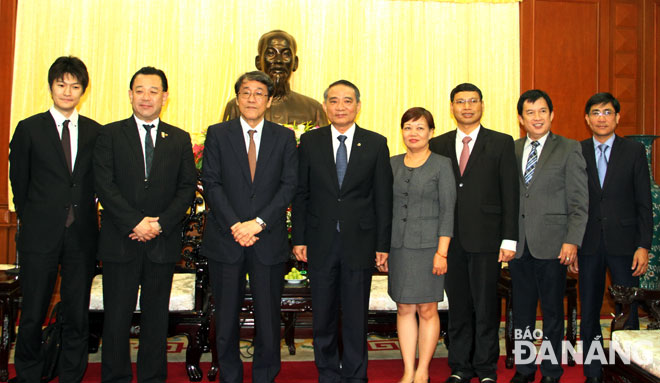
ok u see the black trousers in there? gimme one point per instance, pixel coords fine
(471, 285)
(593, 268)
(120, 289)
(38, 274)
(228, 286)
(533, 279)
(337, 288)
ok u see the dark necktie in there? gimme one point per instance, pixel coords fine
(66, 147)
(148, 149)
(252, 153)
(465, 154)
(66, 144)
(602, 163)
(341, 160)
(531, 163)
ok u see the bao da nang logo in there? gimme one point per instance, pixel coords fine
(525, 350)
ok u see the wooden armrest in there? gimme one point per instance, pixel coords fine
(649, 300)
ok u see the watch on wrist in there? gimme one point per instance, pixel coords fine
(261, 223)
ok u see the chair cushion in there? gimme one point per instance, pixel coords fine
(182, 297)
(380, 300)
(642, 344)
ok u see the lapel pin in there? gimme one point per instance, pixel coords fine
(163, 134)
(359, 144)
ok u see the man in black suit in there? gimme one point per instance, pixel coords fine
(145, 180)
(342, 221)
(620, 226)
(249, 174)
(53, 183)
(485, 234)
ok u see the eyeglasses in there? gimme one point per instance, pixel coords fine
(598, 113)
(471, 101)
(258, 95)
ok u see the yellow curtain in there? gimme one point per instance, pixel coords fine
(399, 53)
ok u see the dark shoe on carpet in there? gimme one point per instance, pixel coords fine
(456, 379)
(488, 380)
(521, 378)
(593, 379)
(549, 379)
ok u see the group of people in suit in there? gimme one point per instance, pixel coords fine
(442, 216)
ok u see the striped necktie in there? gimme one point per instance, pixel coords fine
(531, 163)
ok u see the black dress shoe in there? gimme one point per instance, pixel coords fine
(521, 378)
(548, 379)
(593, 379)
(456, 379)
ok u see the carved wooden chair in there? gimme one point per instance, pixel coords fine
(189, 300)
(637, 370)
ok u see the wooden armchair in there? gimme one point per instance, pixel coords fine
(649, 301)
(189, 300)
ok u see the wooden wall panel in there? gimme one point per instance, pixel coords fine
(7, 33)
(563, 54)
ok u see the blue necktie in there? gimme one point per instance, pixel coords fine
(531, 163)
(341, 160)
(602, 163)
(148, 149)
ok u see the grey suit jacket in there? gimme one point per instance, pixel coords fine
(553, 208)
(424, 202)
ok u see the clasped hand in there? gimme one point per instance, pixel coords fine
(146, 230)
(245, 232)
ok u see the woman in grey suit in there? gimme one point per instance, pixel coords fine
(422, 226)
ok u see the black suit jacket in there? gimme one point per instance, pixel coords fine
(233, 197)
(43, 187)
(363, 205)
(127, 196)
(486, 193)
(620, 211)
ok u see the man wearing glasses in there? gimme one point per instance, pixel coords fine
(485, 234)
(619, 229)
(249, 174)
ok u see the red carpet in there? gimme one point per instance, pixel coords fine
(380, 371)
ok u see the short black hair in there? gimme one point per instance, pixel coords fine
(415, 113)
(342, 82)
(532, 95)
(465, 87)
(150, 70)
(602, 98)
(255, 75)
(71, 65)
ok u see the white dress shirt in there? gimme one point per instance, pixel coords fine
(73, 129)
(459, 141)
(143, 133)
(349, 141)
(256, 136)
(528, 148)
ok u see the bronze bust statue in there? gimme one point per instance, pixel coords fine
(277, 58)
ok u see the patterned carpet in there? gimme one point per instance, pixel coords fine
(379, 347)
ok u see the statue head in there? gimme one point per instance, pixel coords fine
(277, 58)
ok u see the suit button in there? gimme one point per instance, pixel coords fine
(405, 206)
(253, 196)
(142, 211)
(405, 194)
(526, 195)
(338, 199)
(406, 181)
(523, 216)
(404, 220)
(73, 185)
(75, 205)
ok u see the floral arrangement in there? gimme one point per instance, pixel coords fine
(299, 129)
